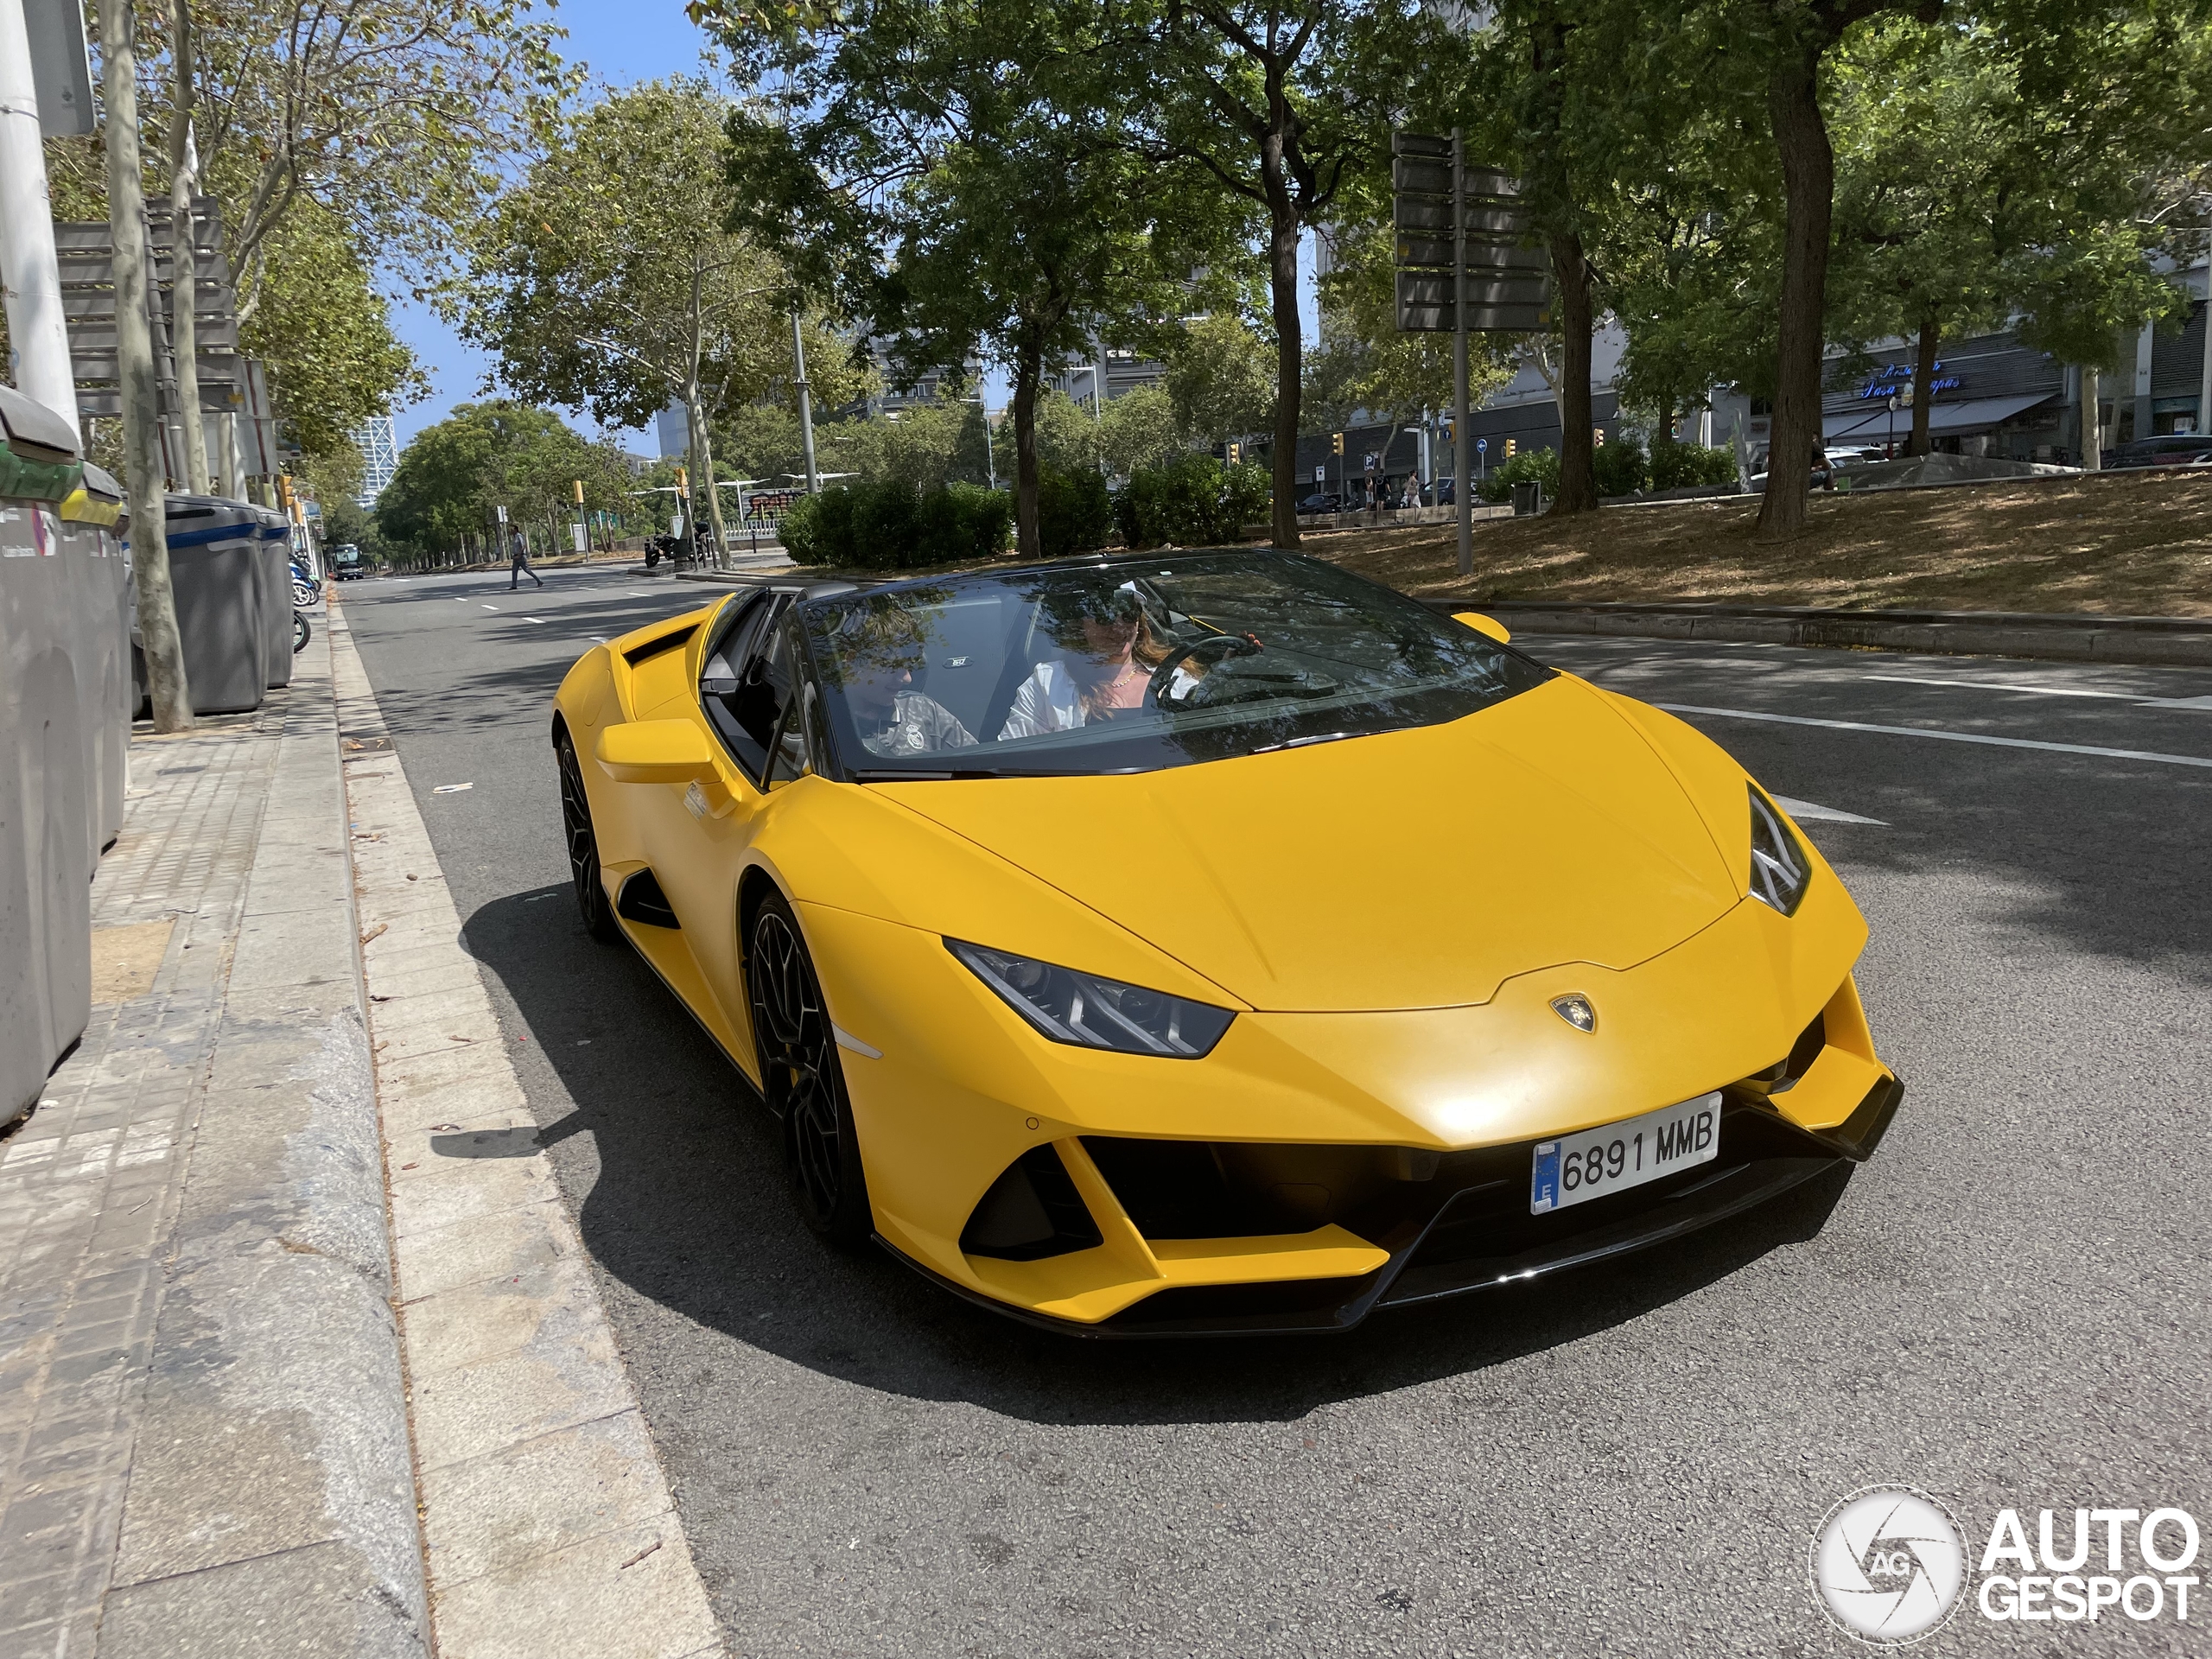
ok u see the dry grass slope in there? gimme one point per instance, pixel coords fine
(2115, 545)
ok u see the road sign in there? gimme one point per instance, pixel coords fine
(1482, 446)
(1321, 474)
(1482, 236)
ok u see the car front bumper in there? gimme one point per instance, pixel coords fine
(1472, 1232)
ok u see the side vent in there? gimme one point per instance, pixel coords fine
(1032, 1211)
(642, 900)
(653, 647)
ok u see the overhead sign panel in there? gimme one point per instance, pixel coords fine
(1462, 224)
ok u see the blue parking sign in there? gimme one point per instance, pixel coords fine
(1482, 446)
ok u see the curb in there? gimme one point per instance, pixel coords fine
(548, 1523)
(2147, 641)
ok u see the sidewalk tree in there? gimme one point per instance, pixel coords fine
(1221, 379)
(453, 475)
(962, 180)
(604, 280)
(1282, 104)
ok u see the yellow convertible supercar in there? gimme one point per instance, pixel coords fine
(1212, 942)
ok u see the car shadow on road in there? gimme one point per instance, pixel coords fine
(684, 1201)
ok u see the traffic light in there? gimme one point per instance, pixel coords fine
(1509, 446)
(577, 486)
(684, 483)
(1596, 437)
(1235, 452)
(1337, 443)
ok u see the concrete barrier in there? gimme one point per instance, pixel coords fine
(2151, 641)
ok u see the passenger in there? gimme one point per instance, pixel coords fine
(894, 716)
(1104, 667)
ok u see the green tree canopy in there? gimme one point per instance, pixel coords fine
(453, 475)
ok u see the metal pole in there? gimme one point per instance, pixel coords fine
(184, 258)
(1463, 493)
(805, 403)
(2205, 389)
(36, 332)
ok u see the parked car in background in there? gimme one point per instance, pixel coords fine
(2174, 449)
(1329, 502)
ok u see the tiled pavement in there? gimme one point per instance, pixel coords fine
(202, 1439)
(89, 1184)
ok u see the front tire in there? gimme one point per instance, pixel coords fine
(583, 847)
(801, 1078)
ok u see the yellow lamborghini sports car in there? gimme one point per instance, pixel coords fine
(1208, 942)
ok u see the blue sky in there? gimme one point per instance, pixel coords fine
(620, 43)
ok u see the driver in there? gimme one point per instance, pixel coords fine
(1107, 654)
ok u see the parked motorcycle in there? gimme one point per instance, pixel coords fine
(301, 631)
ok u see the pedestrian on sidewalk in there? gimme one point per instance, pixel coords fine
(520, 568)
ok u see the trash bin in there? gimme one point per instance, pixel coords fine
(1528, 498)
(276, 597)
(47, 788)
(220, 574)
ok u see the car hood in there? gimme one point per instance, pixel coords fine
(1405, 870)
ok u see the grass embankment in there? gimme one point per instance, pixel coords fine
(2114, 543)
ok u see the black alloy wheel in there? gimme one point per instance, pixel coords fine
(583, 847)
(801, 1078)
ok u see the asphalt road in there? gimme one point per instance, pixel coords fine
(2007, 1307)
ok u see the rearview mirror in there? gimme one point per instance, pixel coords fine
(1481, 624)
(655, 752)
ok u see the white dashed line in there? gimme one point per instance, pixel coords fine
(491, 607)
(1951, 737)
(2004, 685)
(538, 620)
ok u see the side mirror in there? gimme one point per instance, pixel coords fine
(655, 752)
(1481, 624)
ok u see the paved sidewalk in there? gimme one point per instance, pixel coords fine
(203, 1441)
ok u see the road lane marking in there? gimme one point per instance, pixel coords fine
(1951, 737)
(1824, 814)
(2006, 685)
(538, 620)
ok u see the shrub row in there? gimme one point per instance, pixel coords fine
(890, 525)
(1193, 501)
(1621, 466)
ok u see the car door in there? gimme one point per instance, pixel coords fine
(696, 839)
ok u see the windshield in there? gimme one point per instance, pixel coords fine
(1137, 664)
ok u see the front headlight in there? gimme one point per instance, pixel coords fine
(1780, 869)
(1094, 1013)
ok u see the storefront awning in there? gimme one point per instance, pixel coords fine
(1871, 422)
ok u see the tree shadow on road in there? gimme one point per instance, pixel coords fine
(685, 1203)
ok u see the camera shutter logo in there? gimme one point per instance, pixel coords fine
(1889, 1564)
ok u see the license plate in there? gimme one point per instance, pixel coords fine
(1613, 1157)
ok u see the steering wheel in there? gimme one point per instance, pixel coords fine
(1230, 645)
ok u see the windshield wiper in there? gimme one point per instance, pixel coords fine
(1302, 742)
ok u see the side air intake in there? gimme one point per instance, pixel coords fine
(1032, 1211)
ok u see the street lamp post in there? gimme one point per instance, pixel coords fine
(805, 403)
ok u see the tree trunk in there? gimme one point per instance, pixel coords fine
(695, 414)
(142, 397)
(1924, 378)
(1578, 475)
(2093, 440)
(184, 258)
(1282, 282)
(1028, 371)
(1808, 183)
